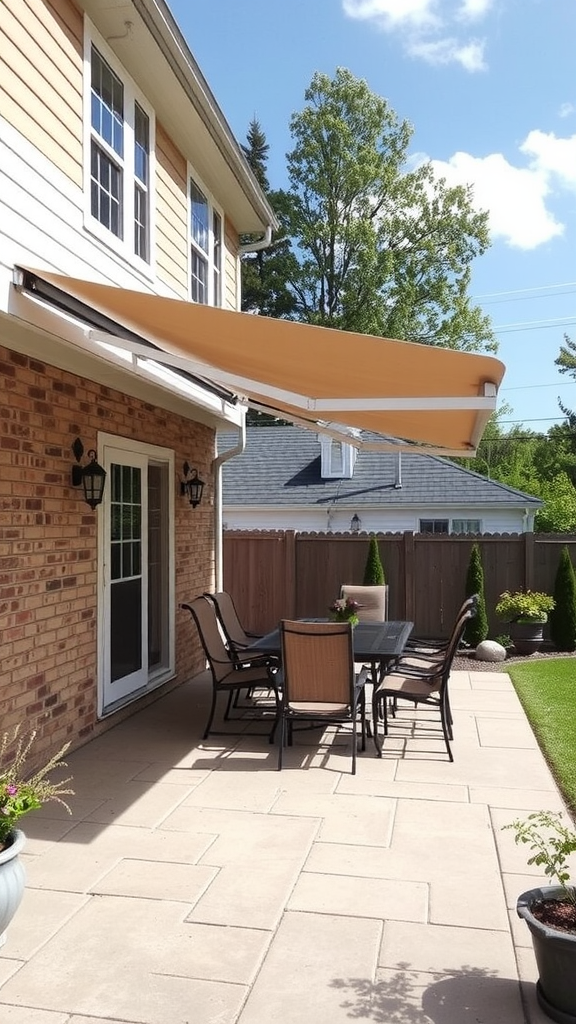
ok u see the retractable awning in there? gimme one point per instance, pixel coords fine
(415, 396)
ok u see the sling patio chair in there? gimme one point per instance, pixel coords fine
(421, 680)
(227, 675)
(319, 683)
(237, 638)
(372, 601)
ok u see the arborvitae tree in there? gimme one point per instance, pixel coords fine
(563, 616)
(373, 571)
(477, 628)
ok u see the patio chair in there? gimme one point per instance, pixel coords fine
(373, 601)
(435, 646)
(422, 680)
(227, 675)
(237, 638)
(320, 684)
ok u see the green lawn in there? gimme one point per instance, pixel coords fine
(547, 690)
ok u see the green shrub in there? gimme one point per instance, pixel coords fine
(373, 572)
(563, 617)
(477, 628)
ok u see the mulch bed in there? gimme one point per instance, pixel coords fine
(465, 660)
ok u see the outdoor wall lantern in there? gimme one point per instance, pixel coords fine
(191, 486)
(355, 523)
(91, 477)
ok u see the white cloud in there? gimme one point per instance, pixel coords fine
(566, 109)
(430, 29)
(475, 8)
(390, 14)
(552, 156)
(449, 51)
(515, 197)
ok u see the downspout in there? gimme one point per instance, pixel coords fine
(217, 471)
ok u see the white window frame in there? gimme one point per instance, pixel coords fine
(466, 521)
(214, 272)
(436, 520)
(124, 246)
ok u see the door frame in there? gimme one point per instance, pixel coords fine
(107, 443)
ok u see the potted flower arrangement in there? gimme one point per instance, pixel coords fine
(550, 912)
(344, 609)
(526, 611)
(21, 793)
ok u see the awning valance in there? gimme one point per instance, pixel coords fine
(316, 376)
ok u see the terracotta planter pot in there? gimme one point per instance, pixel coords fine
(12, 880)
(555, 953)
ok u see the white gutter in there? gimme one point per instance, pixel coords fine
(217, 471)
(262, 243)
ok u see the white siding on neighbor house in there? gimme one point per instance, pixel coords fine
(172, 220)
(371, 520)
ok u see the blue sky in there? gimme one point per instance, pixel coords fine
(490, 89)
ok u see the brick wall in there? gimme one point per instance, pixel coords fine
(48, 544)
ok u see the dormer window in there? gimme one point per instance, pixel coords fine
(337, 458)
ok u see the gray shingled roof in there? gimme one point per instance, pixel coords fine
(281, 466)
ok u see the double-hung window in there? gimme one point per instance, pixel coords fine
(119, 152)
(205, 248)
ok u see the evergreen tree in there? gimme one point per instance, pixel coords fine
(563, 616)
(477, 628)
(374, 570)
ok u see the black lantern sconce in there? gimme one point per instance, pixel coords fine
(191, 486)
(355, 523)
(91, 477)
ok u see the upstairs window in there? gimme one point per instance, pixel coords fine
(118, 158)
(205, 249)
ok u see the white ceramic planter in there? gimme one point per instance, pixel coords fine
(12, 881)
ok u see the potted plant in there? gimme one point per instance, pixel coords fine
(526, 611)
(20, 793)
(550, 912)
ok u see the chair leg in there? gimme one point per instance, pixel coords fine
(233, 694)
(211, 715)
(354, 745)
(282, 732)
(446, 730)
(375, 718)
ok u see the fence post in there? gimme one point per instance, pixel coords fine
(409, 578)
(290, 571)
(529, 561)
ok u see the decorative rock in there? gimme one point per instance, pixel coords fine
(490, 650)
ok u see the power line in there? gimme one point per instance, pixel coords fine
(523, 291)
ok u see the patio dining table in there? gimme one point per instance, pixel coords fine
(376, 644)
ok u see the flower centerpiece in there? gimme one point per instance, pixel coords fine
(344, 609)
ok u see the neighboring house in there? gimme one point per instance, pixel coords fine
(292, 479)
(118, 167)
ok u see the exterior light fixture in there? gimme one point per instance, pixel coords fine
(191, 486)
(91, 477)
(355, 523)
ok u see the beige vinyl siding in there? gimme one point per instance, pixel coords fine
(172, 215)
(41, 78)
(230, 298)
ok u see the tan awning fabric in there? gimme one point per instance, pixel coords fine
(313, 375)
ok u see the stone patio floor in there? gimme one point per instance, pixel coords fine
(195, 884)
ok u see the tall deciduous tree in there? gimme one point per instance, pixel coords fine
(382, 247)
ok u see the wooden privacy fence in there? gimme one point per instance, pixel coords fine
(283, 574)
